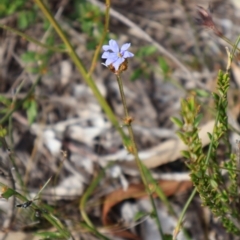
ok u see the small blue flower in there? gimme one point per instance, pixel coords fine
(114, 56)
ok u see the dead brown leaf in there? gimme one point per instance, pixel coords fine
(137, 191)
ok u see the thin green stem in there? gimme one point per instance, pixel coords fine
(160, 192)
(157, 220)
(133, 149)
(229, 42)
(106, 26)
(212, 140)
(83, 202)
(180, 220)
(85, 197)
(98, 234)
(30, 39)
(77, 61)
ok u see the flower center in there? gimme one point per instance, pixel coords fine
(119, 55)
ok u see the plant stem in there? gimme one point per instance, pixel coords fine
(229, 42)
(211, 143)
(130, 131)
(133, 149)
(180, 220)
(30, 39)
(83, 202)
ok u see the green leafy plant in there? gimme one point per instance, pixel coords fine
(206, 172)
(26, 18)
(36, 62)
(24, 10)
(9, 7)
(91, 22)
(164, 67)
(6, 104)
(31, 107)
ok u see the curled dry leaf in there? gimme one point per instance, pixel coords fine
(137, 191)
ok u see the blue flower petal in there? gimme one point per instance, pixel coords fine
(125, 47)
(114, 46)
(127, 54)
(109, 55)
(111, 60)
(113, 56)
(106, 48)
(105, 55)
(117, 63)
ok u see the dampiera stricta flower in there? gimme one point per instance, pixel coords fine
(116, 58)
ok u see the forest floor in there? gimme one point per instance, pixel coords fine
(70, 138)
